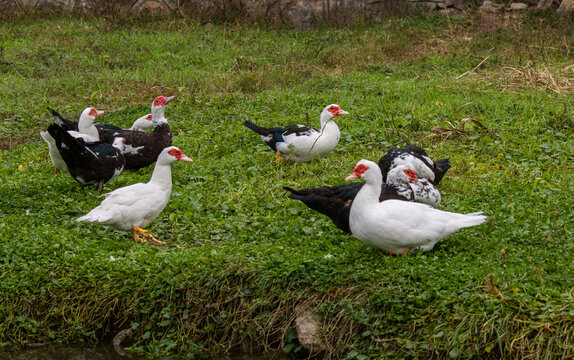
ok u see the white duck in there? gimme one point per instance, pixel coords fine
(300, 143)
(86, 131)
(409, 186)
(133, 207)
(399, 226)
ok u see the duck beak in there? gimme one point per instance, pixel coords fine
(169, 98)
(185, 158)
(342, 112)
(99, 112)
(353, 176)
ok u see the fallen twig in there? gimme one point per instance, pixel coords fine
(12, 65)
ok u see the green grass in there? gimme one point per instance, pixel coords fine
(242, 258)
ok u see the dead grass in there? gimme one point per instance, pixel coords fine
(556, 79)
(8, 142)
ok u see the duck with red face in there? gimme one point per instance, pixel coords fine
(301, 143)
(133, 207)
(399, 226)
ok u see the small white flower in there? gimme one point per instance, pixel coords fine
(329, 256)
(112, 258)
(27, 211)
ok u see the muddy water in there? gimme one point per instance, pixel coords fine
(103, 352)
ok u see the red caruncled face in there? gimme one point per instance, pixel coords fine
(160, 100)
(93, 112)
(177, 153)
(411, 174)
(360, 170)
(334, 109)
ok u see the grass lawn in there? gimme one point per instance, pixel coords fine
(242, 259)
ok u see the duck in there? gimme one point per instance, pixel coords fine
(409, 186)
(399, 227)
(143, 148)
(84, 129)
(89, 162)
(300, 143)
(335, 201)
(416, 159)
(133, 207)
(140, 124)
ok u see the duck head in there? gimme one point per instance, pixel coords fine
(88, 116)
(158, 107)
(401, 174)
(366, 170)
(331, 112)
(119, 143)
(170, 155)
(142, 123)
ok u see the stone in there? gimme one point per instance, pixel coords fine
(566, 7)
(308, 329)
(152, 7)
(426, 6)
(449, 12)
(518, 6)
(489, 7)
(544, 4)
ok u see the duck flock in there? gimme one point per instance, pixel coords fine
(394, 209)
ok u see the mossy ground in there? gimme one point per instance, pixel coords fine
(242, 258)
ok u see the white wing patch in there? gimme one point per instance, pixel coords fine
(132, 150)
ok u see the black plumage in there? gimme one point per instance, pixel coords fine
(143, 148)
(335, 201)
(271, 136)
(105, 131)
(413, 154)
(88, 163)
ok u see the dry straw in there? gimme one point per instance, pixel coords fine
(556, 79)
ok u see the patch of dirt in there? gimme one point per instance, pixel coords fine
(9, 142)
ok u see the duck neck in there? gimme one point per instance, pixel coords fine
(158, 117)
(88, 128)
(330, 130)
(371, 191)
(162, 176)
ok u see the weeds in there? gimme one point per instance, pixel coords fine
(244, 260)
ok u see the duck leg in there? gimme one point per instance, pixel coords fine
(278, 156)
(146, 236)
(100, 186)
(56, 170)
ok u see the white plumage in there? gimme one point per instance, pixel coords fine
(300, 143)
(135, 206)
(142, 124)
(408, 185)
(399, 226)
(86, 128)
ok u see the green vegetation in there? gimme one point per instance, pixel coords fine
(242, 258)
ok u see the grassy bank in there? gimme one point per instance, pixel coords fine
(243, 260)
